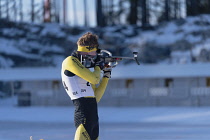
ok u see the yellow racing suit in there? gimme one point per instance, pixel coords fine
(82, 87)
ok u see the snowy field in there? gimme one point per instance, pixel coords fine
(142, 123)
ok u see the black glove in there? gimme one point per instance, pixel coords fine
(107, 72)
(100, 63)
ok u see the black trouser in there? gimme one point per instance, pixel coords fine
(86, 113)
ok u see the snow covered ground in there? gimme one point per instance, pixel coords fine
(136, 123)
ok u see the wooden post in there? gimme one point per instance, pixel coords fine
(47, 11)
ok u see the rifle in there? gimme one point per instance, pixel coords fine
(107, 57)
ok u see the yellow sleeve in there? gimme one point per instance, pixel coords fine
(73, 65)
(99, 91)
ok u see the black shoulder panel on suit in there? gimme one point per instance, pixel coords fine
(68, 73)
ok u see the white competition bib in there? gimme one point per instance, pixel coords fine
(77, 87)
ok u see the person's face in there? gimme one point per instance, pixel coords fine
(89, 58)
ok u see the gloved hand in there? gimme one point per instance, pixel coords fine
(100, 63)
(107, 71)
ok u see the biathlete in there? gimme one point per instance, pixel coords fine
(85, 87)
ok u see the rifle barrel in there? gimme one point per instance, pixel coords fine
(120, 57)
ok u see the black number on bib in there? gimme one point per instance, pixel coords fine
(65, 87)
(88, 84)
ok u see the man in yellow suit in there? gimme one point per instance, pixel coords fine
(85, 87)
